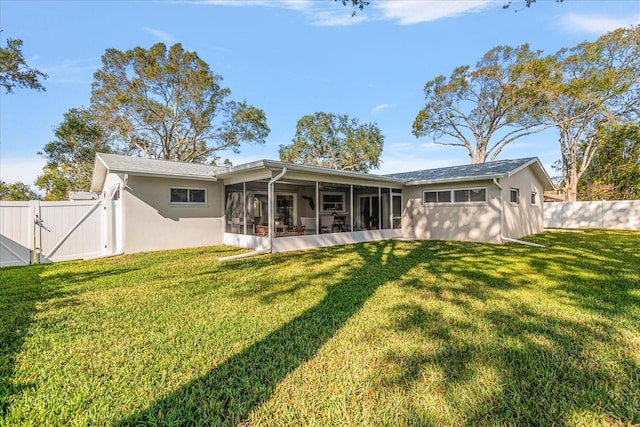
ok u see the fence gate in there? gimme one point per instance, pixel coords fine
(35, 232)
(16, 233)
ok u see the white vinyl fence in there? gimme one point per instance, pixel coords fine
(36, 232)
(622, 215)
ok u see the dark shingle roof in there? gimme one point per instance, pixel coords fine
(487, 170)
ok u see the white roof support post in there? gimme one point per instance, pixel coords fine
(271, 202)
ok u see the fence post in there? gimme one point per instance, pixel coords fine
(109, 217)
(35, 231)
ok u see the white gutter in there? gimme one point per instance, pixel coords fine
(501, 208)
(272, 211)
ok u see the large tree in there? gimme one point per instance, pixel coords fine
(71, 155)
(14, 70)
(590, 86)
(334, 141)
(17, 191)
(614, 172)
(483, 108)
(167, 104)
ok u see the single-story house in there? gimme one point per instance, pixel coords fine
(277, 206)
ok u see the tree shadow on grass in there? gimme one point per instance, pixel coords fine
(22, 289)
(18, 299)
(228, 394)
(524, 360)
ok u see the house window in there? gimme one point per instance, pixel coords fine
(194, 196)
(514, 196)
(332, 202)
(462, 195)
(436, 196)
(471, 195)
(534, 196)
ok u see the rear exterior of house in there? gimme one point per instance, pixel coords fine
(487, 202)
(277, 206)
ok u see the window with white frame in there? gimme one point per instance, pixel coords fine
(459, 195)
(332, 202)
(190, 196)
(534, 197)
(436, 196)
(470, 195)
(514, 196)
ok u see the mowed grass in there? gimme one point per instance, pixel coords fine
(385, 333)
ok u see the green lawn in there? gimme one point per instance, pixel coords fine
(385, 333)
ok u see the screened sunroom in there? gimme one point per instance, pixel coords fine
(282, 206)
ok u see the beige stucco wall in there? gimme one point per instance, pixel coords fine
(524, 218)
(151, 223)
(478, 222)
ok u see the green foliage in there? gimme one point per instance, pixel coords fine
(70, 157)
(14, 70)
(334, 141)
(18, 191)
(357, 4)
(588, 87)
(614, 172)
(167, 104)
(527, 3)
(384, 333)
(485, 108)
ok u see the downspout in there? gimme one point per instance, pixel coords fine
(501, 209)
(270, 196)
(272, 211)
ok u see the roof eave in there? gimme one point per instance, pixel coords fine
(547, 182)
(274, 164)
(458, 179)
(166, 175)
(99, 175)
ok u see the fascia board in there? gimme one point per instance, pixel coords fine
(322, 174)
(541, 173)
(99, 175)
(459, 179)
(211, 178)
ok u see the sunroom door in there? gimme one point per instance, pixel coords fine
(369, 211)
(286, 208)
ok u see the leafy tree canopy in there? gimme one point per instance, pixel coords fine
(614, 172)
(70, 157)
(17, 191)
(334, 141)
(167, 104)
(14, 71)
(483, 108)
(587, 88)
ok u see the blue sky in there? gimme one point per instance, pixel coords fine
(290, 58)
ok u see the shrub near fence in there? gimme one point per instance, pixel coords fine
(621, 215)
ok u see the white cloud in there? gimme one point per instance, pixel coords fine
(23, 169)
(72, 71)
(165, 37)
(413, 12)
(597, 24)
(382, 108)
(333, 19)
(301, 5)
(322, 13)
